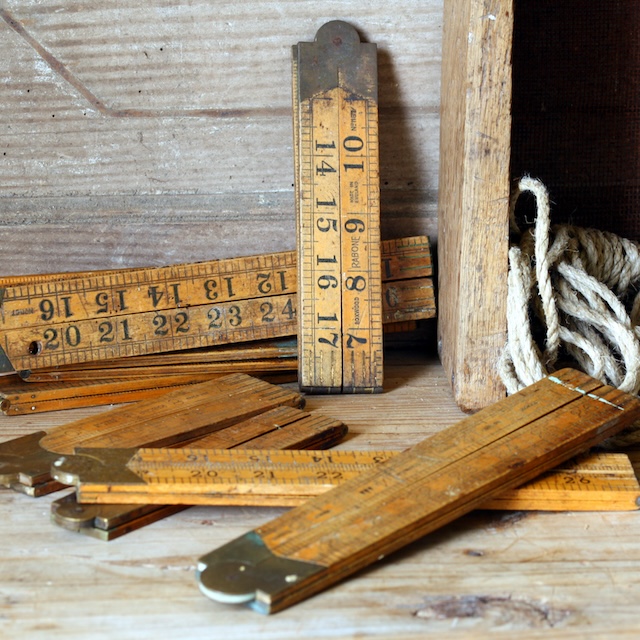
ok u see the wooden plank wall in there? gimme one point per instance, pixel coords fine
(149, 132)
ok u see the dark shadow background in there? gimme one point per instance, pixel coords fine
(576, 108)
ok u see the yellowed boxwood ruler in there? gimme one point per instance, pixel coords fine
(61, 320)
(338, 205)
(143, 377)
(19, 398)
(200, 476)
(178, 416)
(280, 428)
(247, 357)
(400, 500)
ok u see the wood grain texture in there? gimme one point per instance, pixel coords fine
(474, 196)
(146, 133)
(566, 576)
(179, 415)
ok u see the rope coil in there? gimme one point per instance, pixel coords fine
(572, 295)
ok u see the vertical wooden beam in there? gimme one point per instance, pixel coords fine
(474, 196)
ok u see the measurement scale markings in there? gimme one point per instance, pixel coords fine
(294, 474)
(151, 332)
(157, 289)
(338, 211)
(202, 472)
(207, 325)
(114, 335)
(324, 275)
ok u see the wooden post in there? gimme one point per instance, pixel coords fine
(474, 196)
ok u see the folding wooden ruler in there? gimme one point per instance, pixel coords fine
(338, 206)
(246, 357)
(343, 530)
(280, 428)
(103, 315)
(19, 398)
(178, 416)
(142, 377)
(201, 476)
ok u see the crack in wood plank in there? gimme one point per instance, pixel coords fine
(65, 73)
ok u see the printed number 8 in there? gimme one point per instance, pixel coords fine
(356, 284)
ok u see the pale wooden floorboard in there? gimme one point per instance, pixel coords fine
(564, 575)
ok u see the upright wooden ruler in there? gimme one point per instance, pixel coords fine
(445, 476)
(337, 197)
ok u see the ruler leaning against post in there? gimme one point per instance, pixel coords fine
(338, 206)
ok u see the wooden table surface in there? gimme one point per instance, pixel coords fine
(564, 575)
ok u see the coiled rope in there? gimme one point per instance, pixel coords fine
(572, 301)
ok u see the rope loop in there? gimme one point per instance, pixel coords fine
(572, 301)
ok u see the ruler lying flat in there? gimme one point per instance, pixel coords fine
(334, 535)
(100, 316)
(140, 377)
(280, 428)
(338, 205)
(19, 398)
(178, 416)
(190, 476)
(260, 356)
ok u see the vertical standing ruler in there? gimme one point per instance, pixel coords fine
(338, 205)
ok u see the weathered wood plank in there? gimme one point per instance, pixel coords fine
(147, 133)
(474, 196)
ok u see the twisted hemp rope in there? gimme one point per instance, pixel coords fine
(572, 301)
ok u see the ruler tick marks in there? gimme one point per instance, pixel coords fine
(128, 312)
(505, 445)
(337, 201)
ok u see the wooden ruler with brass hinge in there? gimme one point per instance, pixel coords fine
(361, 521)
(200, 476)
(178, 416)
(280, 428)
